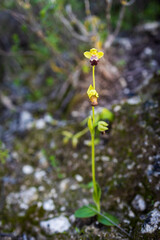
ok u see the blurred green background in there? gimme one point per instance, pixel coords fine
(38, 52)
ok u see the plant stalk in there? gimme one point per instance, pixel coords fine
(93, 77)
(93, 148)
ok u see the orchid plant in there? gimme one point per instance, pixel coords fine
(95, 209)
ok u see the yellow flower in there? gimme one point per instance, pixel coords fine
(93, 95)
(92, 92)
(93, 55)
(123, 2)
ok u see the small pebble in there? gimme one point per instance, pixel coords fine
(138, 203)
(134, 100)
(48, 205)
(117, 108)
(105, 158)
(64, 185)
(79, 178)
(56, 225)
(40, 124)
(27, 169)
(39, 175)
(48, 118)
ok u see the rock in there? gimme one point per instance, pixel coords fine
(41, 188)
(131, 214)
(148, 51)
(153, 64)
(48, 205)
(134, 100)
(105, 158)
(138, 203)
(52, 144)
(53, 193)
(23, 198)
(72, 218)
(151, 222)
(63, 208)
(27, 169)
(42, 159)
(75, 155)
(148, 27)
(79, 178)
(56, 225)
(64, 185)
(40, 124)
(156, 167)
(48, 118)
(124, 42)
(25, 120)
(39, 175)
(117, 108)
(74, 186)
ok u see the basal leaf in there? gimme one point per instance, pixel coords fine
(105, 220)
(106, 114)
(85, 211)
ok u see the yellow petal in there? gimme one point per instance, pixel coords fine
(93, 51)
(123, 2)
(100, 54)
(87, 55)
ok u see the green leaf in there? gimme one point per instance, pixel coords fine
(85, 211)
(67, 134)
(65, 140)
(50, 81)
(106, 114)
(97, 194)
(106, 221)
(74, 142)
(87, 186)
(89, 143)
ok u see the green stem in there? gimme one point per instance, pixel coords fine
(93, 154)
(93, 77)
(93, 149)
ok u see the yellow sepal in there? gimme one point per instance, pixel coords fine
(87, 55)
(100, 54)
(93, 51)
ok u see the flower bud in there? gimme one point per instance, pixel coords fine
(93, 95)
(102, 126)
(94, 101)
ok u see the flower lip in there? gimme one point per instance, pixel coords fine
(94, 62)
(94, 57)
